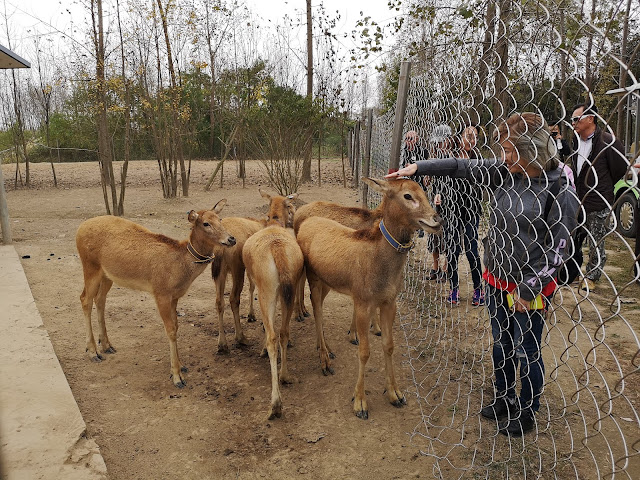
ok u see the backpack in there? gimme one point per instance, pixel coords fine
(570, 269)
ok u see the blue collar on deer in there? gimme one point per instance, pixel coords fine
(198, 256)
(401, 248)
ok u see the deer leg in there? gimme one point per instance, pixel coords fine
(167, 308)
(387, 317)
(251, 317)
(237, 275)
(287, 313)
(353, 333)
(267, 300)
(101, 299)
(299, 307)
(363, 319)
(376, 323)
(220, 281)
(92, 280)
(317, 297)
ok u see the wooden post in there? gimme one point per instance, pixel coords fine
(367, 156)
(4, 213)
(357, 156)
(398, 124)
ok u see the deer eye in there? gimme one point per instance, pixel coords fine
(407, 196)
(206, 224)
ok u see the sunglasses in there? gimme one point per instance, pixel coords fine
(577, 119)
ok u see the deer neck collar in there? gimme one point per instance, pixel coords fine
(399, 247)
(198, 256)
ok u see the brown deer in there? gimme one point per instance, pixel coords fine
(230, 262)
(368, 265)
(274, 262)
(352, 217)
(113, 249)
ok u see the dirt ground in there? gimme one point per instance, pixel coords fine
(216, 427)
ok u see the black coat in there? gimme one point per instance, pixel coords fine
(607, 164)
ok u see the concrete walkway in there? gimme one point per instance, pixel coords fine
(42, 433)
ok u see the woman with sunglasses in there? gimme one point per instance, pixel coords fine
(522, 250)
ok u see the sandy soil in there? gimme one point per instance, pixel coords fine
(216, 427)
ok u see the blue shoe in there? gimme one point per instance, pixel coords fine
(478, 297)
(454, 296)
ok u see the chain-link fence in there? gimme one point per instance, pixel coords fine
(485, 62)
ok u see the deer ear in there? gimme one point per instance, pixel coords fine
(192, 215)
(378, 185)
(265, 195)
(218, 206)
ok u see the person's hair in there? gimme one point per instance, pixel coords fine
(589, 109)
(530, 135)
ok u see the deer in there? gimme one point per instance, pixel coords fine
(116, 250)
(352, 217)
(274, 263)
(230, 262)
(366, 264)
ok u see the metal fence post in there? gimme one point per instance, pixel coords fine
(401, 107)
(367, 156)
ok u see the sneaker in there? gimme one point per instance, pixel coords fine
(499, 409)
(478, 297)
(453, 297)
(518, 425)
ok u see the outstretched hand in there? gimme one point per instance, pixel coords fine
(404, 171)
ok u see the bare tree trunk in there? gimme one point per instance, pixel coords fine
(175, 129)
(624, 68)
(104, 154)
(501, 104)
(306, 164)
(485, 58)
(588, 74)
(127, 120)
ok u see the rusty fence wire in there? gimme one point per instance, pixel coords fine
(476, 67)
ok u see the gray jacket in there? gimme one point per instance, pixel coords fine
(521, 246)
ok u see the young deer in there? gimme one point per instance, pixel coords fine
(352, 217)
(230, 262)
(274, 262)
(368, 265)
(113, 249)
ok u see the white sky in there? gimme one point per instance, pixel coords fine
(24, 15)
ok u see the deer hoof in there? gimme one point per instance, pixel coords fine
(300, 318)
(327, 371)
(110, 350)
(180, 383)
(354, 341)
(184, 369)
(97, 358)
(378, 333)
(251, 318)
(264, 353)
(223, 349)
(276, 411)
(332, 356)
(306, 314)
(363, 414)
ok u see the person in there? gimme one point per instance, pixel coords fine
(523, 249)
(563, 150)
(598, 163)
(461, 231)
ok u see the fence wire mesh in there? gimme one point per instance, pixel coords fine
(478, 69)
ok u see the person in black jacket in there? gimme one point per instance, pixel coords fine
(598, 162)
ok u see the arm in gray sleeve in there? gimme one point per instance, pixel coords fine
(484, 171)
